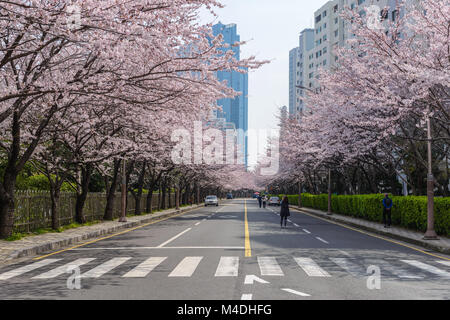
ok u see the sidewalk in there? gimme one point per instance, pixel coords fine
(37, 244)
(410, 236)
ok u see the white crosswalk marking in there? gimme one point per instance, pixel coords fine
(63, 269)
(269, 266)
(428, 268)
(349, 266)
(445, 263)
(311, 268)
(228, 267)
(142, 270)
(97, 272)
(247, 297)
(27, 268)
(186, 267)
(397, 271)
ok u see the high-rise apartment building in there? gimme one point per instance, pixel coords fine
(317, 46)
(234, 110)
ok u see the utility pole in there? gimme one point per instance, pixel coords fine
(123, 215)
(430, 234)
(300, 187)
(329, 192)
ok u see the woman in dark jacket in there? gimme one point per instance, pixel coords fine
(284, 213)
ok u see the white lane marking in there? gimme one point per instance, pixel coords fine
(345, 253)
(297, 292)
(174, 238)
(428, 268)
(250, 279)
(63, 269)
(186, 267)
(269, 267)
(445, 263)
(143, 269)
(100, 270)
(228, 267)
(320, 239)
(307, 231)
(197, 223)
(399, 272)
(311, 268)
(296, 225)
(27, 268)
(247, 297)
(350, 267)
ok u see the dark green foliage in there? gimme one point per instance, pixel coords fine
(408, 212)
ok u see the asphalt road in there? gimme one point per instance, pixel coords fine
(236, 251)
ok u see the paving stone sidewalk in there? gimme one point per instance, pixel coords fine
(32, 245)
(414, 237)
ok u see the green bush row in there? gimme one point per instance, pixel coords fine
(408, 212)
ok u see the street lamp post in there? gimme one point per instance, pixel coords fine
(430, 234)
(123, 216)
(329, 192)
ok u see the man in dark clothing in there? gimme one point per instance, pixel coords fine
(260, 200)
(387, 206)
(284, 213)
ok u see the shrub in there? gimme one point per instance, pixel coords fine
(408, 212)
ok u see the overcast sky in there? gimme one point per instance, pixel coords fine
(272, 28)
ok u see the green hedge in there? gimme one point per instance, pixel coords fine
(408, 212)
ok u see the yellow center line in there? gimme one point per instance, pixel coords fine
(248, 249)
(372, 235)
(114, 235)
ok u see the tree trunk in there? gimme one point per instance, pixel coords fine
(81, 197)
(138, 210)
(55, 193)
(111, 194)
(149, 203)
(7, 209)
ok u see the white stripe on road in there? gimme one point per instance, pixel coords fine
(399, 272)
(228, 267)
(63, 269)
(350, 267)
(142, 270)
(428, 268)
(197, 223)
(269, 266)
(186, 267)
(320, 239)
(311, 268)
(153, 248)
(27, 268)
(445, 263)
(97, 272)
(174, 238)
(297, 292)
(247, 297)
(296, 225)
(307, 231)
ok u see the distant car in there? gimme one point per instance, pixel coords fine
(274, 201)
(229, 196)
(211, 201)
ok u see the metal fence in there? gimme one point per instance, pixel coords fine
(33, 208)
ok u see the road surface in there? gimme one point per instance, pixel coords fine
(236, 251)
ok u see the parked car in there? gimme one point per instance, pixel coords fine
(274, 201)
(211, 201)
(229, 196)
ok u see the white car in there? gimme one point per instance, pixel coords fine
(274, 201)
(211, 201)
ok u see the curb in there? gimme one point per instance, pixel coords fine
(427, 245)
(53, 245)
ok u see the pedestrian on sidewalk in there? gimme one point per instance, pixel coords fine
(284, 213)
(260, 200)
(387, 206)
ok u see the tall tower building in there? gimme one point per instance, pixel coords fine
(234, 110)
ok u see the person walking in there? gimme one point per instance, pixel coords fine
(260, 200)
(284, 212)
(264, 201)
(387, 206)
